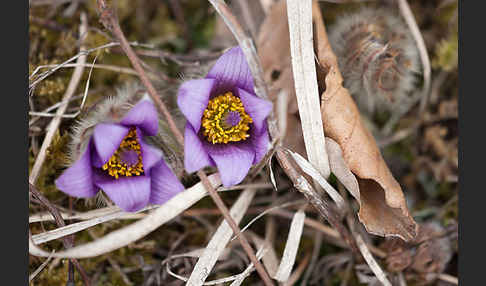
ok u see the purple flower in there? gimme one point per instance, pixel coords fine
(226, 125)
(118, 161)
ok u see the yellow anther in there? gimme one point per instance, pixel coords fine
(116, 167)
(216, 129)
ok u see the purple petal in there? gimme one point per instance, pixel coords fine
(77, 180)
(257, 108)
(164, 184)
(192, 99)
(231, 70)
(195, 156)
(107, 138)
(260, 143)
(232, 160)
(150, 156)
(144, 116)
(129, 193)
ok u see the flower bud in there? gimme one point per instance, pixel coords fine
(377, 57)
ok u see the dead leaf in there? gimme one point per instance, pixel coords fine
(383, 209)
(340, 169)
(273, 45)
(428, 253)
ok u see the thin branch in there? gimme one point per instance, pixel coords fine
(40, 268)
(424, 56)
(248, 47)
(371, 261)
(110, 21)
(53, 126)
(182, 60)
(325, 209)
(236, 230)
(97, 66)
(68, 241)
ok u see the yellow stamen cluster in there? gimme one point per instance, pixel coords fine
(215, 128)
(116, 167)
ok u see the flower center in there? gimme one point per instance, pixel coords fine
(225, 120)
(127, 159)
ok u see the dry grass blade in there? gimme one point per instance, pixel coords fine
(383, 209)
(137, 230)
(321, 204)
(371, 261)
(220, 281)
(311, 171)
(40, 268)
(76, 227)
(248, 47)
(88, 215)
(73, 84)
(291, 247)
(219, 240)
(424, 56)
(266, 212)
(241, 277)
(298, 272)
(299, 14)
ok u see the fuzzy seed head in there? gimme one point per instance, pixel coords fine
(377, 57)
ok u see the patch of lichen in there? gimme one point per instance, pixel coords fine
(446, 53)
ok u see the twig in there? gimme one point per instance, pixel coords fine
(316, 251)
(325, 209)
(371, 261)
(424, 56)
(113, 263)
(448, 278)
(50, 108)
(53, 126)
(97, 66)
(248, 47)
(68, 243)
(182, 60)
(110, 21)
(39, 269)
(298, 272)
(236, 230)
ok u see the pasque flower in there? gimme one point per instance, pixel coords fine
(226, 125)
(117, 159)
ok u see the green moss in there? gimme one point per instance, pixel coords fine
(446, 53)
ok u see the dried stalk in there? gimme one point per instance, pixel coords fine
(424, 56)
(371, 261)
(325, 209)
(236, 230)
(248, 47)
(68, 241)
(53, 126)
(305, 78)
(110, 21)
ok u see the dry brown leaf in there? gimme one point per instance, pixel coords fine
(383, 208)
(340, 169)
(430, 252)
(273, 45)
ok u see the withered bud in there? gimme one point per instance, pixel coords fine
(377, 57)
